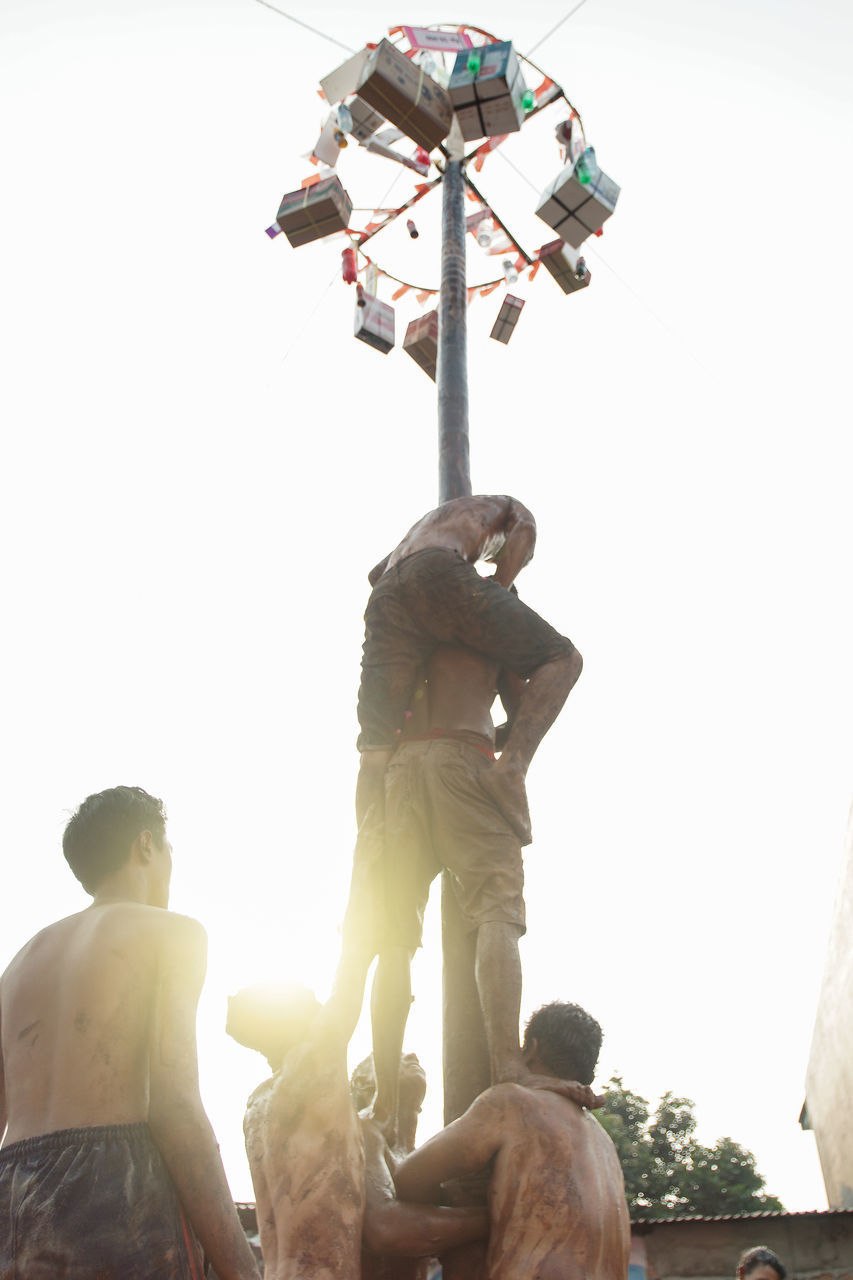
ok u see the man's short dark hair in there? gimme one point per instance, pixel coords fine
(568, 1040)
(363, 1083)
(757, 1257)
(97, 840)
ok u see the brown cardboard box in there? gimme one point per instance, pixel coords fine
(489, 102)
(565, 265)
(406, 96)
(316, 211)
(421, 342)
(579, 200)
(507, 318)
(374, 323)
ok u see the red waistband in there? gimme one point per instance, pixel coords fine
(465, 736)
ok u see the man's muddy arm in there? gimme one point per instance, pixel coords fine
(396, 1228)
(517, 550)
(399, 1229)
(465, 1146)
(176, 1117)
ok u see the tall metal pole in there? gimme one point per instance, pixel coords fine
(466, 1064)
(454, 468)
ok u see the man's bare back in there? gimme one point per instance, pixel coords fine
(556, 1198)
(307, 1163)
(99, 1077)
(557, 1162)
(484, 527)
(75, 1011)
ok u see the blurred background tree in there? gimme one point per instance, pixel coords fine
(669, 1173)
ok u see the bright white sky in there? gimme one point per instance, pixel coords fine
(201, 464)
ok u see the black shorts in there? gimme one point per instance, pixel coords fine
(436, 597)
(92, 1204)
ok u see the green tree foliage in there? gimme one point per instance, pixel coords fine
(667, 1172)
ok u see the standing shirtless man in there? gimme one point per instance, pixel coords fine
(442, 813)
(427, 592)
(109, 1167)
(556, 1197)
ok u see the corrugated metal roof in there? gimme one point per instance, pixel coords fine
(736, 1217)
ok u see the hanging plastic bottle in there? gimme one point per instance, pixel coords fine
(528, 100)
(360, 300)
(422, 156)
(412, 229)
(484, 235)
(475, 59)
(349, 266)
(344, 118)
(586, 166)
(427, 61)
(510, 273)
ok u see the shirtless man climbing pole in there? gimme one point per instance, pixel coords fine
(427, 592)
(109, 1166)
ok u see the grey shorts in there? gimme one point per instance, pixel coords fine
(92, 1204)
(436, 597)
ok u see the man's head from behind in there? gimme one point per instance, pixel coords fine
(760, 1263)
(272, 1018)
(566, 1040)
(112, 827)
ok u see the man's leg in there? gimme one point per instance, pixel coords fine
(498, 974)
(390, 1002)
(540, 703)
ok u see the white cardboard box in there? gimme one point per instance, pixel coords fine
(374, 323)
(489, 102)
(343, 81)
(575, 207)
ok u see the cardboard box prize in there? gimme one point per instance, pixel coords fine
(406, 96)
(579, 200)
(317, 211)
(374, 323)
(421, 342)
(489, 102)
(567, 267)
(365, 121)
(507, 318)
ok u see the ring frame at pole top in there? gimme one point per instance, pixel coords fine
(547, 94)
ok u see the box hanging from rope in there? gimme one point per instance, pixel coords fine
(565, 265)
(486, 89)
(507, 319)
(374, 322)
(406, 96)
(421, 342)
(317, 211)
(579, 200)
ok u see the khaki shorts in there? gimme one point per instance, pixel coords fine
(437, 816)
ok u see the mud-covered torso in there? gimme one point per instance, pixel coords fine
(473, 527)
(76, 1008)
(557, 1198)
(307, 1162)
